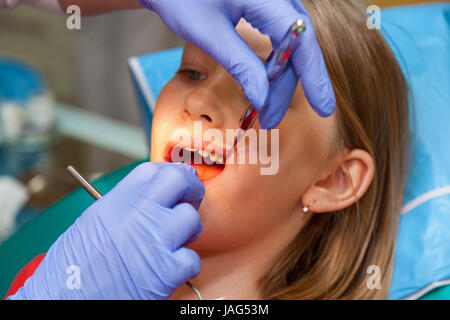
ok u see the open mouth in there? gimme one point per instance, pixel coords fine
(208, 160)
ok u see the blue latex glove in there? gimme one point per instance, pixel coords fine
(209, 24)
(128, 244)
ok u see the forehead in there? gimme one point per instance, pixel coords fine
(257, 41)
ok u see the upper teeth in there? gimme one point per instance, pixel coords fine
(207, 153)
(204, 153)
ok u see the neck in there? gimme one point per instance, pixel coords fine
(233, 274)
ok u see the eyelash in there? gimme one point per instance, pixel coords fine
(189, 73)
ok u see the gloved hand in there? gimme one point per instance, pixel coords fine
(128, 244)
(209, 24)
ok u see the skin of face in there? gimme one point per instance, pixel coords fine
(241, 207)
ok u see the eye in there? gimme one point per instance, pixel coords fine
(192, 74)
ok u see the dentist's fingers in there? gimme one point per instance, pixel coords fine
(184, 224)
(187, 260)
(238, 59)
(279, 100)
(312, 70)
(164, 183)
(172, 185)
(298, 4)
(309, 65)
(275, 18)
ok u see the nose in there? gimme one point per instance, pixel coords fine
(204, 104)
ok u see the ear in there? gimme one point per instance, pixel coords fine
(342, 187)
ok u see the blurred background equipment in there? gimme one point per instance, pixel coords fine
(13, 196)
(86, 68)
(26, 107)
(66, 98)
(27, 126)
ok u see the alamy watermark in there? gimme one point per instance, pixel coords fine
(374, 280)
(73, 281)
(73, 21)
(374, 17)
(252, 147)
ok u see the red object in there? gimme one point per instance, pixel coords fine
(24, 274)
(287, 55)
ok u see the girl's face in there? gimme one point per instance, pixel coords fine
(242, 206)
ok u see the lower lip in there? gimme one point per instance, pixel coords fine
(205, 171)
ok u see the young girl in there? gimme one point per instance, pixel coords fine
(327, 219)
(318, 227)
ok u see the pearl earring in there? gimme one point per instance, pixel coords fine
(307, 208)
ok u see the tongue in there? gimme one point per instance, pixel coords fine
(207, 172)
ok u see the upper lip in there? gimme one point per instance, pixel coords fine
(215, 152)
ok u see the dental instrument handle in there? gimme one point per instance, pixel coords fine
(94, 193)
(275, 66)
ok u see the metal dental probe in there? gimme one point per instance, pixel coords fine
(84, 183)
(94, 193)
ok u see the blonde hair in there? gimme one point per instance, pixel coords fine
(330, 256)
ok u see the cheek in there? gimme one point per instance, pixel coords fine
(165, 116)
(242, 206)
(236, 214)
(169, 101)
